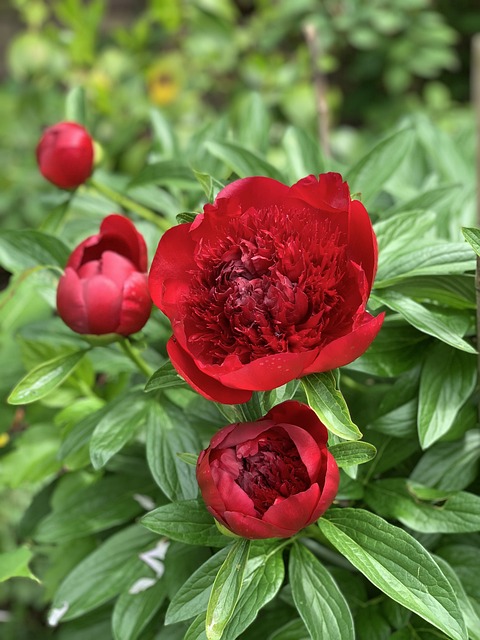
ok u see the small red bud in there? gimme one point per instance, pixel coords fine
(65, 155)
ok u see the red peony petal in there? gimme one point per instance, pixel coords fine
(328, 193)
(204, 384)
(347, 348)
(233, 496)
(70, 302)
(330, 488)
(293, 412)
(310, 451)
(207, 486)
(71, 167)
(245, 431)
(76, 257)
(118, 235)
(65, 154)
(296, 510)
(258, 192)
(170, 269)
(103, 301)
(121, 227)
(114, 266)
(254, 528)
(362, 243)
(136, 304)
(265, 373)
(220, 436)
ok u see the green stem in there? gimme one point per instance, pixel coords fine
(86, 390)
(130, 204)
(135, 357)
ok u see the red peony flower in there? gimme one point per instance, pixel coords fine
(272, 477)
(65, 155)
(269, 284)
(104, 288)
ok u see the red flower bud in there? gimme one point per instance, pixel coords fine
(268, 284)
(65, 155)
(104, 288)
(269, 478)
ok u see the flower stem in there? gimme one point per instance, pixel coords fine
(130, 204)
(312, 38)
(135, 357)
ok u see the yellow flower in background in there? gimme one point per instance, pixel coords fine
(164, 81)
(4, 439)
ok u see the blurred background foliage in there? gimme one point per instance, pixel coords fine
(196, 59)
(206, 70)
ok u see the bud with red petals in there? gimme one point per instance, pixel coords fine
(65, 155)
(272, 477)
(104, 288)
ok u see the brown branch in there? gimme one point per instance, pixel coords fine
(320, 85)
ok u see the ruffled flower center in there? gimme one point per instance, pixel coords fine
(268, 468)
(274, 282)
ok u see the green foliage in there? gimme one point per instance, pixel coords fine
(98, 445)
(317, 598)
(226, 590)
(397, 564)
(328, 403)
(15, 564)
(128, 439)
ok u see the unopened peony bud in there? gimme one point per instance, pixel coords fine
(272, 477)
(65, 155)
(104, 288)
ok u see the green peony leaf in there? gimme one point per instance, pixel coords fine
(192, 597)
(91, 509)
(472, 236)
(133, 611)
(118, 426)
(186, 521)
(317, 597)
(42, 380)
(242, 161)
(28, 248)
(170, 173)
(371, 172)
(167, 436)
(433, 322)
(75, 110)
(396, 564)
(428, 510)
(111, 568)
(263, 578)
(165, 377)
(327, 401)
(226, 589)
(348, 454)
(14, 564)
(447, 380)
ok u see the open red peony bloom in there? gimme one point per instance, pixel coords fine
(104, 288)
(272, 477)
(65, 155)
(269, 284)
